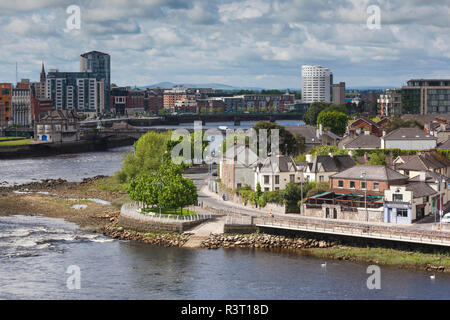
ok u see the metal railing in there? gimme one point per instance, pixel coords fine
(134, 210)
(375, 232)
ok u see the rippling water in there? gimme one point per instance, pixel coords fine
(71, 167)
(35, 253)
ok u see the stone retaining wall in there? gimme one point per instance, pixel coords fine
(156, 226)
(239, 228)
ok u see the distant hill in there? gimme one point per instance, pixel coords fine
(217, 86)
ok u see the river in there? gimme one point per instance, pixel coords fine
(35, 253)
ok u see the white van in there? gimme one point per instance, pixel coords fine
(446, 218)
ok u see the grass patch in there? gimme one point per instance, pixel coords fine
(112, 184)
(15, 142)
(384, 256)
(11, 138)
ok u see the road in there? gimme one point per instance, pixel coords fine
(200, 175)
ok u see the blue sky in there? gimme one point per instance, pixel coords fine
(259, 43)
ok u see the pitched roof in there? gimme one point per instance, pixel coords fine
(408, 134)
(278, 164)
(424, 161)
(61, 115)
(364, 142)
(372, 172)
(430, 177)
(444, 145)
(368, 121)
(420, 189)
(336, 163)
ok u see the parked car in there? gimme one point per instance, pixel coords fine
(446, 218)
(214, 173)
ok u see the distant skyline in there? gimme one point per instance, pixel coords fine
(252, 43)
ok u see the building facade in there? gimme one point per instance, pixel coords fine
(339, 93)
(390, 103)
(99, 64)
(79, 91)
(426, 96)
(5, 104)
(317, 84)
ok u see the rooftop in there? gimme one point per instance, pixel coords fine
(332, 163)
(370, 172)
(408, 134)
(364, 141)
(420, 189)
(424, 161)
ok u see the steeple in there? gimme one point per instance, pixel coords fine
(43, 77)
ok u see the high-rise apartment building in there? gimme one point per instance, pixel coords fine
(79, 91)
(99, 64)
(390, 103)
(339, 93)
(317, 84)
(426, 96)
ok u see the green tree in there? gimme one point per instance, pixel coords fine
(397, 122)
(147, 157)
(334, 120)
(289, 145)
(377, 158)
(313, 112)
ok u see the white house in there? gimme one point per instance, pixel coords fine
(322, 167)
(408, 139)
(274, 173)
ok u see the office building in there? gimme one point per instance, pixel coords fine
(426, 96)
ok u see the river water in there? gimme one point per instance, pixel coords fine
(36, 252)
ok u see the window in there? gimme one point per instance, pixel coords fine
(266, 189)
(239, 185)
(277, 179)
(376, 186)
(292, 177)
(321, 178)
(398, 197)
(266, 179)
(352, 184)
(402, 213)
(363, 185)
(340, 184)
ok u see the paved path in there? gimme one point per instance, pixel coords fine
(203, 231)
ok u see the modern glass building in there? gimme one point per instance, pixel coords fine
(426, 96)
(99, 64)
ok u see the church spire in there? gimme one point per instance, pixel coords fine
(43, 73)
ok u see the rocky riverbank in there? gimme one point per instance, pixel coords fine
(159, 239)
(267, 241)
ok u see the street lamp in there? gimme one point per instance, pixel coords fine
(364, 175)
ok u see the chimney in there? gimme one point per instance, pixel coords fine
(309, 158)
(422, 177)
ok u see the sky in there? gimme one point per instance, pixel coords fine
(251, 43)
